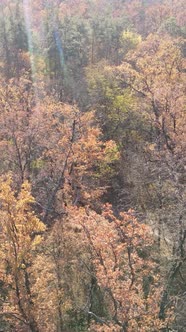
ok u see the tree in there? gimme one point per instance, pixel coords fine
(54, 146)
(13, 37)
(155, 73)
(20, 236)
(120, 250)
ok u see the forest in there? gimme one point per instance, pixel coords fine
(92, 166)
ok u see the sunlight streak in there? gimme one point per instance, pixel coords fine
(28, 24)
(59, 48)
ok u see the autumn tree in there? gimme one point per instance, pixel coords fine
(20, 235)
(101, 274)
(156, 76)
(158, 83)
(54, 146)
(141, 106)
(124, 270)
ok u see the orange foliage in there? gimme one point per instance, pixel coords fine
(124, 268)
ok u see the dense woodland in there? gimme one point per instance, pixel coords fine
(92, 154)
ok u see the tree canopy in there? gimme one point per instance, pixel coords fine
(92, 166)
